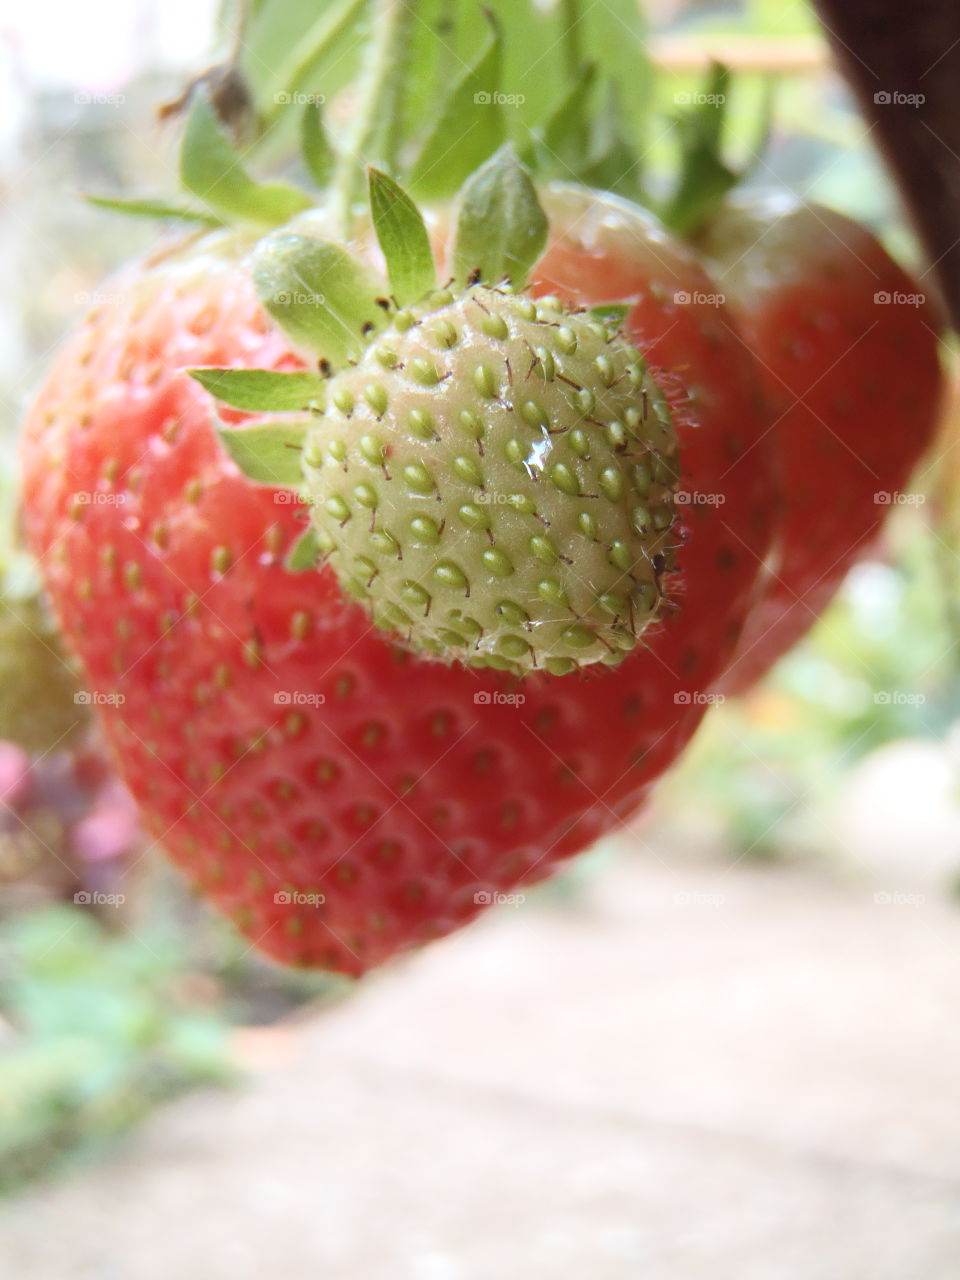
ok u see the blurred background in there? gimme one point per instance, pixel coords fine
(724, 1044)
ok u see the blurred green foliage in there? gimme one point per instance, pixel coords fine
(96, 1030)
(882, 664)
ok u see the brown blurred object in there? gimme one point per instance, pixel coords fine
(903, 65)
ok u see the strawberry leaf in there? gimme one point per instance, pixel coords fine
(211, 169)
(501, 228)
(153, 209)
(704, 178)
(319, 293)
(613, 163)
(269, 453)
(315, 146)
(305, 552)
(469, 125)
(403, 239)
(263, 390)
(563, 139)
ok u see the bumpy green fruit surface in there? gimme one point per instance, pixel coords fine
(495, 479)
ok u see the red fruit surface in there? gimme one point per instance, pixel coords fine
(338, 798)
(848, 346)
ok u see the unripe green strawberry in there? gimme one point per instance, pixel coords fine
(494, 478)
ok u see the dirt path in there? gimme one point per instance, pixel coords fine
(691, 1076)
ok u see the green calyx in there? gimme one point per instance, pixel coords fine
(494, 479)
(492, 475)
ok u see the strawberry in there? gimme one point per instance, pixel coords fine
(508, 496)
(848, 346)
(339, 795)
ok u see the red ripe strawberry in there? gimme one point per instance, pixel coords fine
(849, 350)
(603, 249)
(340, 798)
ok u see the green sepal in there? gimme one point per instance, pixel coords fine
(322, 296)
(305, 552)
(562, 141)
(501, 227)
(704, 176)
(264, 390)
(469, 125)
(315, 145)
(153, 209)
(403, 238)
(613, 163)
(210, 168)
(269, 453)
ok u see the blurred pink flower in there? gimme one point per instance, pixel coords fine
(109, 830)
(15, 767)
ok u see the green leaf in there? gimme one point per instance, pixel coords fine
(449, 36)
(305, 552)
(211, 169)
(469, 125)
(269, 453)
(403, 238)
(153, 209)
(319, 293)
(263, 390)
(315, 145)
(501, 228)
(613, 163)
(563, 138)
(704, 178)
(611, 34)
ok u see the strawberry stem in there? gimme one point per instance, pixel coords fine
(333, 22)
(376, 134)
(569, 14)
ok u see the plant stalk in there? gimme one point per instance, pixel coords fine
(378, 125)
